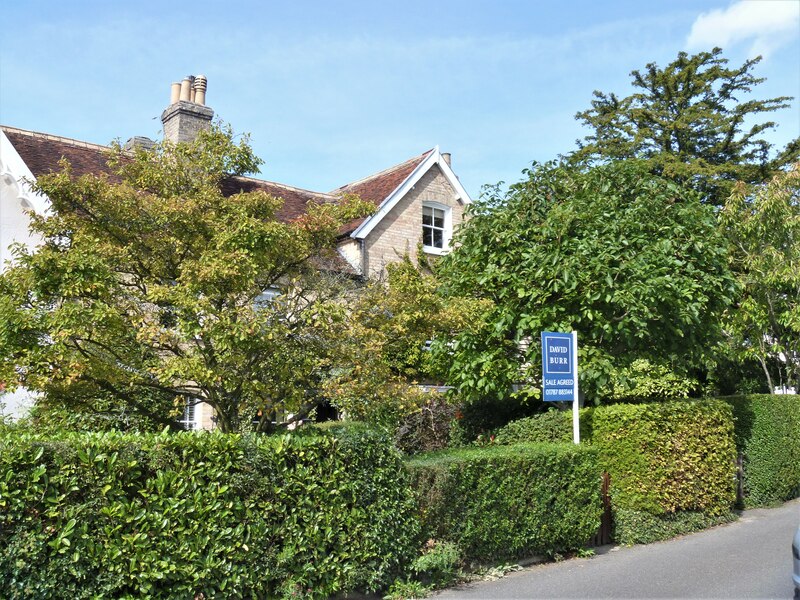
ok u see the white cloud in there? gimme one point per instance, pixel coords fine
(768, 24)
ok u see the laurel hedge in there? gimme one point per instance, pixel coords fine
(672, 464)
(202, 515)
(502, 502)
(768, 439)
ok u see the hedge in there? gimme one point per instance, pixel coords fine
(503, 502)
(768, 438)
(671, 463)
(202, 515)
(549, 427)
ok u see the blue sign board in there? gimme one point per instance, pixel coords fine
(559, 367)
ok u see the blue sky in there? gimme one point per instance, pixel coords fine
(333, 91)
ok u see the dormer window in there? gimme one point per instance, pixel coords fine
(436, 227)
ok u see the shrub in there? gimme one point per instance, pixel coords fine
(642, 527)
(667, 457)
(667, 461)
(552, 426)
(176, 516)
(483, 417)
(509, 501)
(768, 438)
(427, 429)
(438, 564)
(647, 381)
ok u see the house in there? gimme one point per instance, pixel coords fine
(419, 202)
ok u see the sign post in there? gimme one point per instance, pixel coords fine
(560, 373)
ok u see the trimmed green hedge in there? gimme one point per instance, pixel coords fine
(553, 426)
(664, 458)
(509, 501)
(672, 466)
(768, 438)
(179, 515)
(642, 527)
(671, 463)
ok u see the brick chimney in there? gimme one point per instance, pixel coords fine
(187, 113)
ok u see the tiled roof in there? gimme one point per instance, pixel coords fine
(376, 188)
(42, 152)
(295, 200)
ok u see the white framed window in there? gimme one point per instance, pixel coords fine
(436, 227)
(189, 417)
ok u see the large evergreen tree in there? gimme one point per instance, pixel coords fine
(691, 122)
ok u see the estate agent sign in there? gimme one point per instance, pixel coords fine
(560, 372)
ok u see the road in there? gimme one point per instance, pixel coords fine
(750, 558)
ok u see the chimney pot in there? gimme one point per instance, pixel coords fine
(175, 93)
(200, 85)
(447, 158)
(187, 115)
(186, 90)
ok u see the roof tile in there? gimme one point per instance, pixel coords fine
(42, 152)
(379, 186)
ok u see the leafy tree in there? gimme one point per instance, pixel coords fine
(386, 349)
(763, 225)
(146, 291)
(690, 123)
(631, 261)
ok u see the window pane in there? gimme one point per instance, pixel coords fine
(433, 226)
(188, 419)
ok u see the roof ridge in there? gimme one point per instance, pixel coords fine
(57, 138)
(384, 172)
(285, 186)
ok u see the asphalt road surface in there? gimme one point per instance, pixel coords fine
(750, 558)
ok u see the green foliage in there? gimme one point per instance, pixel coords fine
(631, 261)
(733, 374)
(97, 411)
(509, 501)
(144, 291)
(645, 381)
(384, 350)
(642, 527)
(438, 564)
(768, 438)
(480, 418)
(202, 515)
(667, 461)
(689, 122)
(763, 225)
(405, 589)
(665, 458)
(553, 426)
